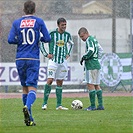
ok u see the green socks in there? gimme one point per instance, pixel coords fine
(59, 95)
(99, 96)
(92, 97)
(47, 90)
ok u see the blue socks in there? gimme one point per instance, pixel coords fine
(28, 100)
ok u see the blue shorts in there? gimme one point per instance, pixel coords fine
(28, 71)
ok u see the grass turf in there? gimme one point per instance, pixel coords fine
(116, 118)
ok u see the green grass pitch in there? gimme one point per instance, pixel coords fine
(116, 118)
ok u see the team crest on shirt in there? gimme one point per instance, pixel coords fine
(27, 23)
(60, 43)
(111, 70)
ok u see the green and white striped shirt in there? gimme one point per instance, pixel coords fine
(60, 46)
(91, 55)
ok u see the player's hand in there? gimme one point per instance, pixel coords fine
(50, 56)
(81, 61)
(67, 56)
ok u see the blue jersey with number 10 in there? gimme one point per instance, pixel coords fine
(25, 32)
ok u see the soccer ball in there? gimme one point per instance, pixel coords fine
(77, 104)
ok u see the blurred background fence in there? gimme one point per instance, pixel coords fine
(110, 21)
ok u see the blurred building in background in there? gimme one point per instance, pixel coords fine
(95, 15)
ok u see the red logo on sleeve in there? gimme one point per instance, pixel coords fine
(26, 23)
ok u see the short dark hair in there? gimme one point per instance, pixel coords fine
(82, 29)
(29, 7)
(61, 20)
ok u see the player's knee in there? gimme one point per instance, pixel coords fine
(49, 81)
(59, 82)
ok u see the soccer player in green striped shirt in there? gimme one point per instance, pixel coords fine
(60, 49)
(92, 67)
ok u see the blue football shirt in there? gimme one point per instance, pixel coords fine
(26, 33)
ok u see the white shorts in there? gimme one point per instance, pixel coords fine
(57, 71)
(93, 76)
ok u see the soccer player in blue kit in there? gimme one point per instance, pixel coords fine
(25, 32)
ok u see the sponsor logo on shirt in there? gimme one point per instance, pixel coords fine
(60, 43)
(26, 23)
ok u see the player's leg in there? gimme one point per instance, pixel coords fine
(92, 94)
(91, 88)
(24, 95)
(31, 97)
(99, 97)
(47, 90)
(59, 95)
(50, 77)
(24, 99)
(31, 83)
(21, 72)
(99, 91)
(61, 74)
(59, 92)
(26, 112)
(22, 75)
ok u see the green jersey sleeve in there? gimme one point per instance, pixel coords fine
(90, 49)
